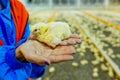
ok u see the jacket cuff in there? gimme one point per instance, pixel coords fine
(12, 61)
(37, 71)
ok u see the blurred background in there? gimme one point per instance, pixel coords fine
(71, 4)
(97, 22)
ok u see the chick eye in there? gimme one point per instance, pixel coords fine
(35, 30)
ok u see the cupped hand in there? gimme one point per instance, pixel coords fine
(41, 54)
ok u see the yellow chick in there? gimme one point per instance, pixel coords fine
(51, 33)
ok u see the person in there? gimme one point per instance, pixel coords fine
(22, 56)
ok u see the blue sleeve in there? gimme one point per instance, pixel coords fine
(37, 71)
(10, 54)
(10, 67)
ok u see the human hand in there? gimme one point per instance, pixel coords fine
(41, 54)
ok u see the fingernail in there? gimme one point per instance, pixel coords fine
(47, 63)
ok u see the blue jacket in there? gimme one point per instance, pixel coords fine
(10, 67)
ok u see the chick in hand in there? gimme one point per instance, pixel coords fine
(51, 33)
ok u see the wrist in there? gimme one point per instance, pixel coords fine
(19, 55)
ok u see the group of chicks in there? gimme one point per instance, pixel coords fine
(99, 60)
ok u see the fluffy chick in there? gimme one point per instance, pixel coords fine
(51, 33)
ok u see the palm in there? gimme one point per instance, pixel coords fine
(40, 53)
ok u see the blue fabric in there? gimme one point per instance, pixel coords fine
(10, 67)
(37, 71)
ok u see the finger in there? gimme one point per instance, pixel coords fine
(71, 41)
(63, 50)
(60, 58)
(63, 43)
(75, 36)
(78, 41)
